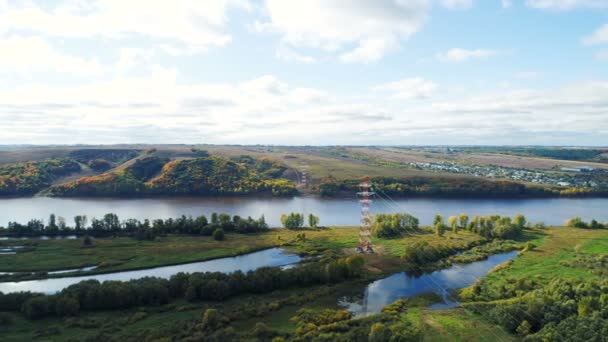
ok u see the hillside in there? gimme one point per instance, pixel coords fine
(30, 177)
(208, 175)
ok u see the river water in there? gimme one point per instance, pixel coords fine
(402, 285)
(247, 262)
(331, 211)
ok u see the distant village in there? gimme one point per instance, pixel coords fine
(565, 177)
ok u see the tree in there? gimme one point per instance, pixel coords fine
(61, 223)
(292, 221)
(52, 222)
(463, 220)
(218, 235)
(66, 306)
(36, 307)
(379, 333)
(439, 225)
(438, 219)
(211, 320)
(313, 221)
(80, 221)
(519, 221)
(453, 223)
(524, 328)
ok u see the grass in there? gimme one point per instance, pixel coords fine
(554, 246)
(122, 253)
(460, 325)
(126, 253)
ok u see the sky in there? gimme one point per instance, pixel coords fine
(304, 72)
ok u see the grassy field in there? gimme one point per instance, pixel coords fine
(113, 254)
(459, 325)
(554, 246)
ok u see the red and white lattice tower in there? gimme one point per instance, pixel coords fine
(365, 232)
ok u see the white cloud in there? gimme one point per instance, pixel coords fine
(600, 36)
(457, 4)
(566, 4)
(463, 55)
(30, 54)
(289, 55)
(506, 3)
(197, 24)
(408, 88)
(362, 31)
(159, 108)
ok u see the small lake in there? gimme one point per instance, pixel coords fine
(247, 262)
(402, 285)
(554, 211)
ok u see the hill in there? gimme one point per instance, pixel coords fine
(208, 175)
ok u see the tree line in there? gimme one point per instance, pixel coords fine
(111, 225)
(92, 295)
(391, 226)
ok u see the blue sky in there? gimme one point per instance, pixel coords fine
(397, 72)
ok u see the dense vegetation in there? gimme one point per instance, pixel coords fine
(563, 310)
(111, 225)
(116, 295)
(440, 186)
(31, 177)
(211, 175)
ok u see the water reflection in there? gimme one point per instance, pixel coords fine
(247, 262)
(402, 285)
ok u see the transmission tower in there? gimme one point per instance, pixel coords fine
(365, 232)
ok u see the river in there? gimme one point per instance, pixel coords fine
(554, 211)
(385, 291)
(247, 262)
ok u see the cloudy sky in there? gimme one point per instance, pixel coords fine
(313, 72)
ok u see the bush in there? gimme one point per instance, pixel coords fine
(218, 235)
(37, 307)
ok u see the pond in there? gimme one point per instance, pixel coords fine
(402, 285)
(247, 262)
(554, 211)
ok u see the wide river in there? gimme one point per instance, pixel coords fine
(331, 211)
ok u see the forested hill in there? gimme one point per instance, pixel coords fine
(207, 175)
(30, 177)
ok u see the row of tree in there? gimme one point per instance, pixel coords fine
(493, 226)
(111, 225)
(577, 222)
(490, 227)
(296, 221)
(117, 295)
